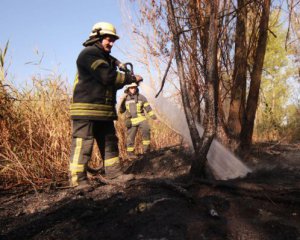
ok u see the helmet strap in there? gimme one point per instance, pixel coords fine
(97, 31)
(94, 39)
(90, 42)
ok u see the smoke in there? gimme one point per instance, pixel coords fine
(223, 163)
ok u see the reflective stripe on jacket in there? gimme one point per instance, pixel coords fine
(135, 107)
(96, 84)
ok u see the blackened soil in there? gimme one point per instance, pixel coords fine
(162, 202)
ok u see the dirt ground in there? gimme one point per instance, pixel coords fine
(163, 203)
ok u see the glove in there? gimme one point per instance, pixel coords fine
(133, 78)
(128, 123)
(138, 78)
(122, 67)
(128, 115)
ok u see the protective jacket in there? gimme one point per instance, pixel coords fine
(95, 86)
(134, 106)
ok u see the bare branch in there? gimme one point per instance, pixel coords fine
(166, 73)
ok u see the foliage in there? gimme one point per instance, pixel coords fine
(272, 117)
(278, 69)
(292, 125)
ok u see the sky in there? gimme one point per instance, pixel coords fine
(54, 29)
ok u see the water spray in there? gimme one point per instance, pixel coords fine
(223, 163)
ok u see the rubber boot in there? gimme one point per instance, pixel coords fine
(83, 186)
(75, 179)
(82, 183)
(115, 173)
(131, 156)
(146, 149)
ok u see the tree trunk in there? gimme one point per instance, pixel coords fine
(194, 86)
(203, 19)
(210, 94)
(239, 80)
(183, 85)
(256, 74)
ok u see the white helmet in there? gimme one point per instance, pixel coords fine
(104, 28)
(132, 85)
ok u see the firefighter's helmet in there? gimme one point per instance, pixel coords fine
(132, 85)
(104, 28)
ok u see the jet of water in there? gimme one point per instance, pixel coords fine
(223, 163)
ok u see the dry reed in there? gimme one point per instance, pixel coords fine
(36, 134)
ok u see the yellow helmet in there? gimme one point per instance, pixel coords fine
(105, 29)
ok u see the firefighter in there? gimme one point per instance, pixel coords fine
(93, 106)
(135, 105)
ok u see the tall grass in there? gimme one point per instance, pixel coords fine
(35, 148)
(35, 130)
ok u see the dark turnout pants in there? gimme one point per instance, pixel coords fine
(83, 135)
(131, 133)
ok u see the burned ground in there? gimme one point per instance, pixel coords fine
(162, 202)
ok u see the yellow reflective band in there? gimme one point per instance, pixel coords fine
(111, 161)
(130, 149)
(138, 107)
(74, 180)
(91, 106)
(137, 120)
(151, 113)
(75, 81)
(75, 159)
(78, 146)
(92, 113)
(75, 168)
(90, 109)
(127, 107)
(146, 142)
(146, 104)
(97, 63)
